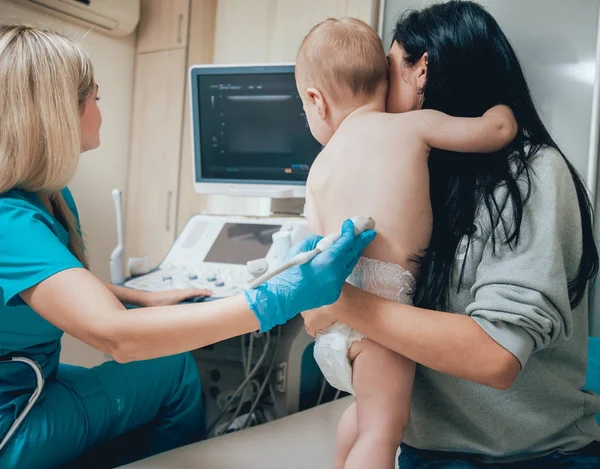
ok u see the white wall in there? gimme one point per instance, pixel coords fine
(104, 169)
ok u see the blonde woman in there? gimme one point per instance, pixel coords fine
(141, 404)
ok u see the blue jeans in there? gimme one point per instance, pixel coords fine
(412, 458)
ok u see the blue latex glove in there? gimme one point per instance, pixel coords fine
(308, 286)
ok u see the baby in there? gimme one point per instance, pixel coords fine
(374, 164)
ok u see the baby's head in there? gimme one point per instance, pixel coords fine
(341, 66)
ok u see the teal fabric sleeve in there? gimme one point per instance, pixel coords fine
(33, 247)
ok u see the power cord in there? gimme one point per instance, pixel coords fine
(242, 386)
(265, 381)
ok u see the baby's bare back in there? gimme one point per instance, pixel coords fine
(373, 166)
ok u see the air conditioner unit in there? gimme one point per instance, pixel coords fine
(113, 17)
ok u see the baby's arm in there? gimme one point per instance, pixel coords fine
(488, 133)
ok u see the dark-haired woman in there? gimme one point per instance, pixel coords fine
(499, 381)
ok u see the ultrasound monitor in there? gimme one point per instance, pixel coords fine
(250, 133)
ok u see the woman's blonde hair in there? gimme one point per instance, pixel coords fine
(45, 78)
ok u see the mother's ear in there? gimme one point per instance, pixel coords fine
(420, 71)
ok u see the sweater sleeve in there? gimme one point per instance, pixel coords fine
(521, 292)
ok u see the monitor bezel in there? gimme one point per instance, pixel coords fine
(235, 187)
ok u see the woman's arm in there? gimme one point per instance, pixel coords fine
(450, 343)
(130, 296)
(77, 302)
(127, 296)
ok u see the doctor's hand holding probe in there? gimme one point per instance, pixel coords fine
(149, 399)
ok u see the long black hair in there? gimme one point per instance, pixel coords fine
(472, 67)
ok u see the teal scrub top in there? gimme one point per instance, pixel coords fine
(33, 247)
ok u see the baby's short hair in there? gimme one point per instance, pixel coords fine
(343, 56)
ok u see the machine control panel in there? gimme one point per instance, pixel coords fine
(212, 252)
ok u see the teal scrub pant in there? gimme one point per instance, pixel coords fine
(110, 415)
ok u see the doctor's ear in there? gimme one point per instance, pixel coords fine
(316, 98)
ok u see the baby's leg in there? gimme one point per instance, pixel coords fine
(347, 433)
(383, 383)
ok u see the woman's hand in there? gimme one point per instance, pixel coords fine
(319, 319)
(172, 297)
(311, 285)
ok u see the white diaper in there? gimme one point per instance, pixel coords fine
(383, 279)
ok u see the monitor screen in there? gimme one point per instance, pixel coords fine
(238, 243)
(250, 127)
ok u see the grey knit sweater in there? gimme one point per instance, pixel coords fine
(520, 298)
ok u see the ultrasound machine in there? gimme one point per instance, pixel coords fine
(250, 139)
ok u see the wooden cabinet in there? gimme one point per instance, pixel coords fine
(272, 30)
(201, 50)
(163, 25)
(158, 100)
(155, 151)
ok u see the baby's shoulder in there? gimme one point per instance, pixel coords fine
(390, 128)
(373, 129)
